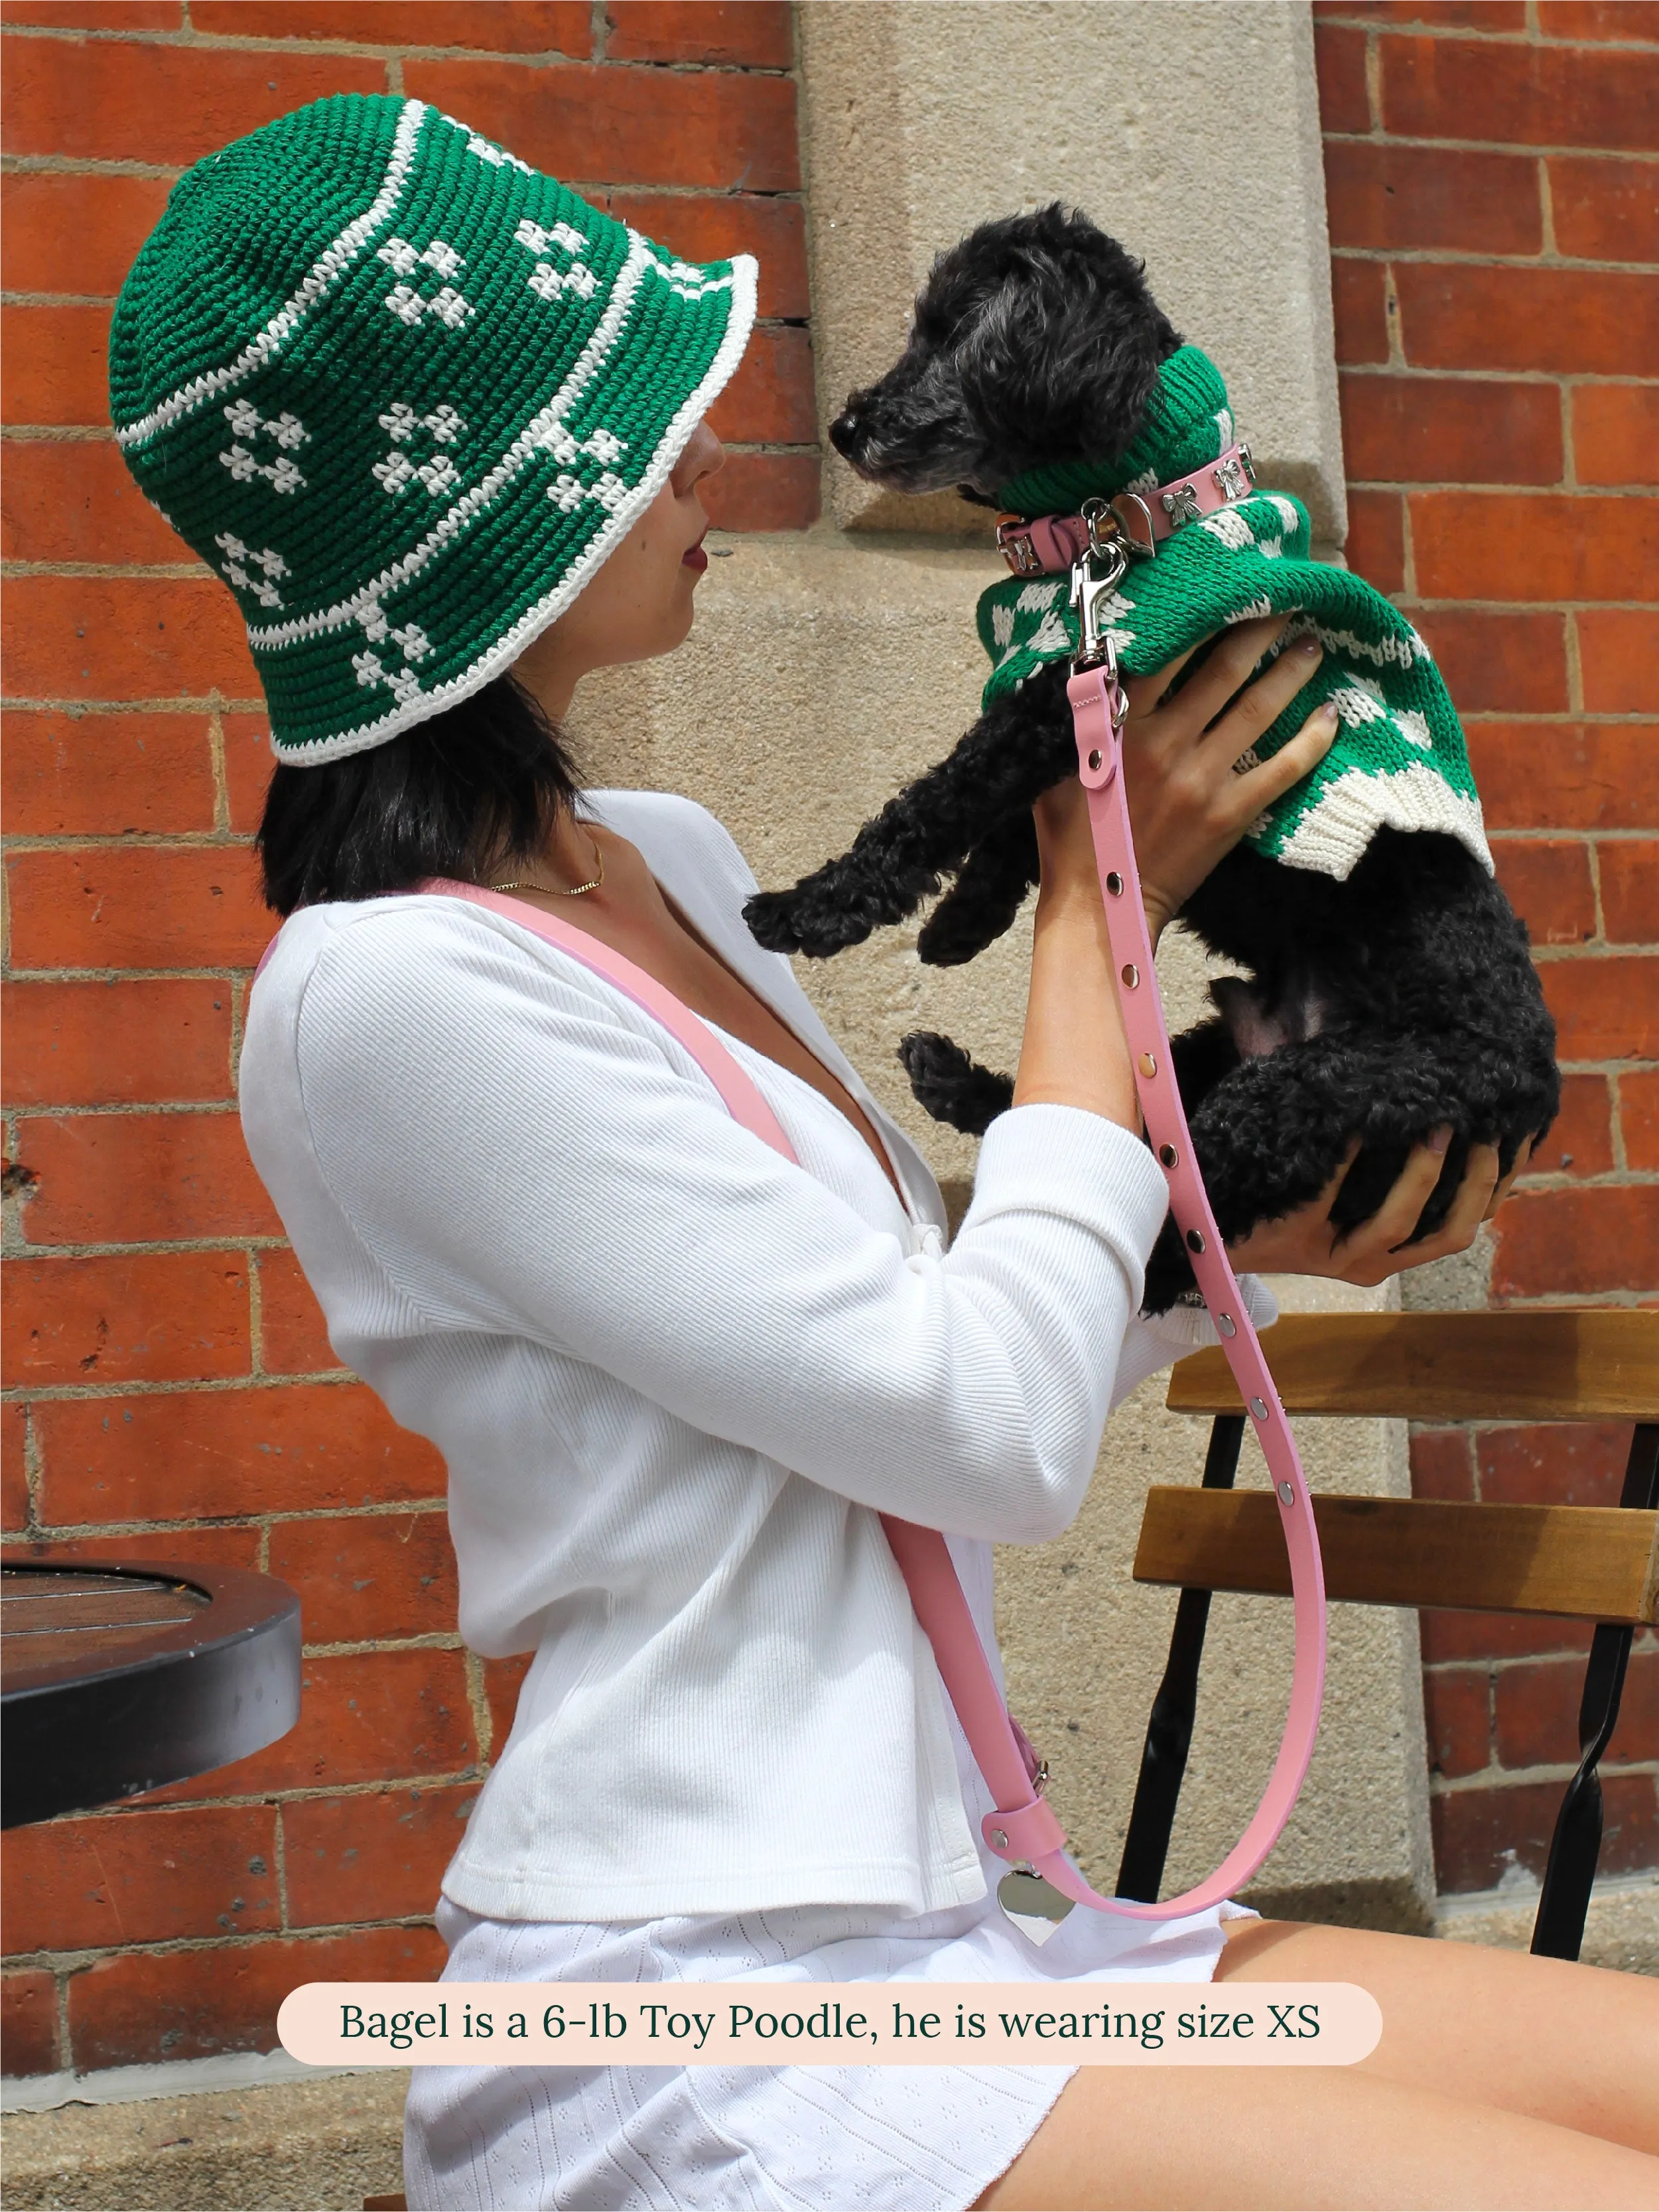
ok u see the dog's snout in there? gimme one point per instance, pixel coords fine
(843, 433)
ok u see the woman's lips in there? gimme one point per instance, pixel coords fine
(695, 557)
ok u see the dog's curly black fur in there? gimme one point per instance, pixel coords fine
(1383, 1007)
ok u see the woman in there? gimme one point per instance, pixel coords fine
(675, 1378)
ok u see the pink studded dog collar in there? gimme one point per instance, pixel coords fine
(1052, 542)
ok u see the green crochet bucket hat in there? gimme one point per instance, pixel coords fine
(1399, 760)
(403, 393)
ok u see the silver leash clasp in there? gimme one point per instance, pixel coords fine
(1099, 571)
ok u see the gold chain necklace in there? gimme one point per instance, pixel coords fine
(553, 891)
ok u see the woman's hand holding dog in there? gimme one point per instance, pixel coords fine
(1188, 801)
(1307, 1242)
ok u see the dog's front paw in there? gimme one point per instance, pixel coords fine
(952, 1087)
(802, 920)
(1169, 1272)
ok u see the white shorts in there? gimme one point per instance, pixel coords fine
(752, 2138)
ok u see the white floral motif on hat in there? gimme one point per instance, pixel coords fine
(409, 307)
(545, 281)
(403, 684)
(537, 240)
(240, 561)
(396, 472)
(286, 430)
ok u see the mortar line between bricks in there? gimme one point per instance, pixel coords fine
(1465, 258)
(101, 571)
(74, 165)
(64, 2051)
(1620, 1158)
(56, 433)
(9, 298)
(300, 1793)
(362, 1648)
(1438, 372)
(180, 702)
(191, 41)
(477, 1698)
(146, 840)
(82, 165)
(127, 1110)
(255, 1317)
(234, 1244)
(1469, 34)
(83, 1956)
(1507, 1663)
(1514, 149)
(227, 976)
(1592, 950)
(408, 1509)
(279, 1847)
(146, 1387)
(1559, 1771)
(1474, 488)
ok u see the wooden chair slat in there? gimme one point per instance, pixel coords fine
(1583, 1364)
(1586, 1562)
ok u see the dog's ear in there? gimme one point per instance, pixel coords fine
(1062, 357)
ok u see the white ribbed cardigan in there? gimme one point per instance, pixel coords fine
(674, 1377)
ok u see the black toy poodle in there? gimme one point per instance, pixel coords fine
(1380, 1004)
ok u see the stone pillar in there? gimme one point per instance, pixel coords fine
(828, 667)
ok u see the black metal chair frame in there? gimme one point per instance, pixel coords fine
(1575, 1845)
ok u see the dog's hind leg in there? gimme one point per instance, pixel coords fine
(986, 896)
(1016, 750)
(952, 1087)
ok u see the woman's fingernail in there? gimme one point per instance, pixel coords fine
(1308, 645)
(1440, 1141)
(1327, 712)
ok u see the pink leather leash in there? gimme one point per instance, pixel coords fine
(1024, 1829)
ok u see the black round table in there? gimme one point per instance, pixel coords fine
(115, 1680)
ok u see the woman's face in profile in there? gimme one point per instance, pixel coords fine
(640, 602)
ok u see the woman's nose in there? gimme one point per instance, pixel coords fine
(703, 455)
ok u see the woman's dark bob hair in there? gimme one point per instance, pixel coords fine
(474, 790)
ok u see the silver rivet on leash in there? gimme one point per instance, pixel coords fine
(999, 1838)
(1226, 1324)
(1114, 883)
(1168, 1154)
(1259, 1407)
(1194, 1240)
(1131, 975)
(1148, 1063)
(1096, 757)
(1287, 1493)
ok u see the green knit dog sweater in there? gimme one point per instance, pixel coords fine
(1399, 760)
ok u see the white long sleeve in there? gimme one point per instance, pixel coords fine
(672, 1374)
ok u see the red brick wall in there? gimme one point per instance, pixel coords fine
(1493, 193)
(168, 1388)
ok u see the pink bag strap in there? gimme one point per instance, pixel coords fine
(739, 1092)
(1025, 1829)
